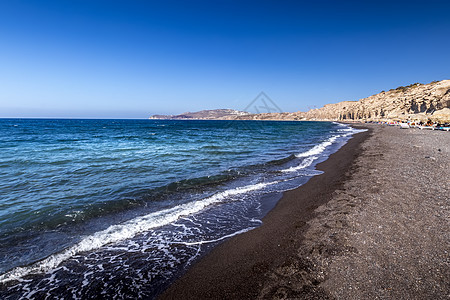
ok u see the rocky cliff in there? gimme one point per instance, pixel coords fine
(414, 102)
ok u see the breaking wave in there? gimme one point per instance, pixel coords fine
(127, 230)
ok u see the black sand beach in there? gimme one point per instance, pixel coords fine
(373, 225)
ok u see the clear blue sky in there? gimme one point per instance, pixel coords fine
(134, 58)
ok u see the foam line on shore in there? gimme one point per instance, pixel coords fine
(216, 240)
(312, 154)
(318, 149)
(305, 163)
(127, 230)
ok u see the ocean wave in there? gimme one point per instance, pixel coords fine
(349, 129)
(305, 163)
(312, 154)
(218, 239)
(127, 230)
(318, 149)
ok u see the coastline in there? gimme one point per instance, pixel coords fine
(373, 225)
(191, 235)
(238, 267)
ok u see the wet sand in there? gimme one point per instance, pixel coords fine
(375, 224)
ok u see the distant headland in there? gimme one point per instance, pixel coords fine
(213, 114)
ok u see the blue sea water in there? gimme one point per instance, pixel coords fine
(119, 208)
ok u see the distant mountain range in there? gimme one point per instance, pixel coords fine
(213, 114)
(413, 102)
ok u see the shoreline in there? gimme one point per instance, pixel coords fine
(237, 268)
(37, 270)
(373, 226)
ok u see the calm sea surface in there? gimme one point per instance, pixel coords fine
(119, 208)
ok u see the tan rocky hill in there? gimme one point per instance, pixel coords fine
(414, 102)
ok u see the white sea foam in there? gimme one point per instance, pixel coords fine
(216, 240)
(312, 154)
(349, 129)
(305, 163)
(127, 230)
(316, 150)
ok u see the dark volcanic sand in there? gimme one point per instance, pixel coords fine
(374, 225)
